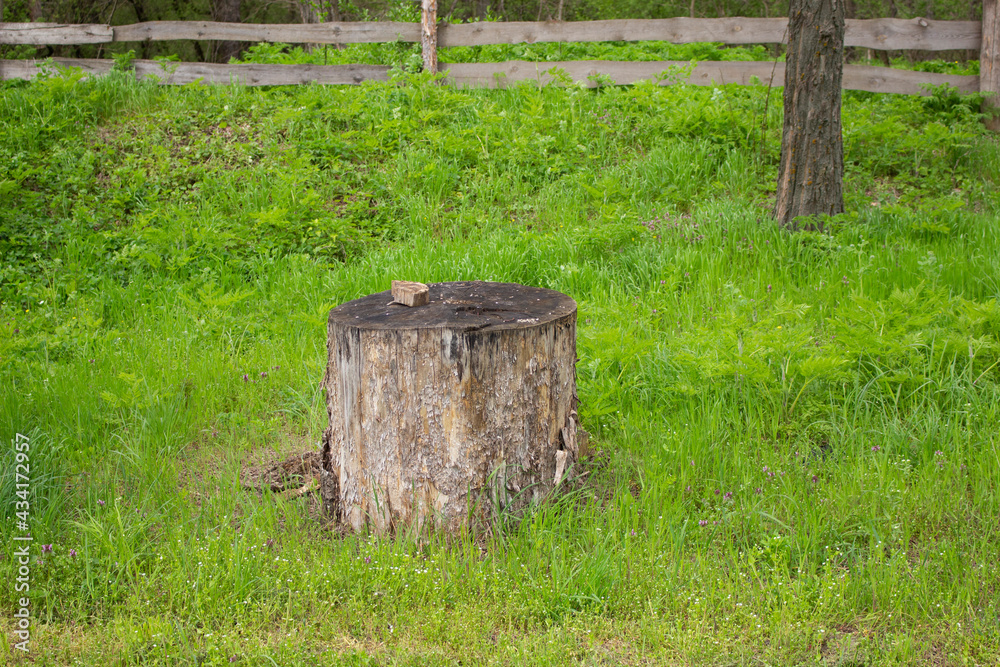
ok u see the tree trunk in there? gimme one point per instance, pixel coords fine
(810, 177)
(307, 12)
(142, 16)
(227, 11)
(460, 409)
(428, 35)
(973, 15)
(989, 62)
(333, 11)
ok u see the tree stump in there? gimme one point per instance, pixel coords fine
(455, 410)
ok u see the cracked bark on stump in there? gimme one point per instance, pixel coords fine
(451, 411)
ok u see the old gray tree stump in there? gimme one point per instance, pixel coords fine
(449, 411)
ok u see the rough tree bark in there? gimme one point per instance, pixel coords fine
(989, 62)
(811, 173)
(428, 34)
(451, 411)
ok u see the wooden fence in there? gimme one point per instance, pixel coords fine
(897, 34)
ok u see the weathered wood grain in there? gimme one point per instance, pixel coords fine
(54, 34)
(989, 63)
(462, 409)
(923, 34)
(905, 82)
(29, 69)
(294, 33)
(497, 75)
(182, 73)
(856, 77)
(409, 293)
(260, 75)
(875, 34)
(679, 31)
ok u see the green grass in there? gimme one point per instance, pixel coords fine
(795, 436)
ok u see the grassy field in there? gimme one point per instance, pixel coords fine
(796, 452)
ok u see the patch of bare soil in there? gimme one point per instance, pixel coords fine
(297, 475)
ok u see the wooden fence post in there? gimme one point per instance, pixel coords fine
(989, 61)
(428, 34)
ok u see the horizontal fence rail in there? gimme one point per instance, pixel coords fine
(856, 77)
(499, 75)
(883, 34)
(922, 34)
(176, 73)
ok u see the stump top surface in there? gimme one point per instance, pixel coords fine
(466, 306)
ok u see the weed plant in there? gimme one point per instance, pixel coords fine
(795, 434)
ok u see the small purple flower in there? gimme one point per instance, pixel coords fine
(233, 658)
(769, 287)
(688, 489)
(72, 553)
(269, 543)
(101, 503)
(876, 448)
(246, 378)
(716, 492)
(633, 532)
(46, 548)
(815, 479)
(939, 453)
(368, 560)
(91, 360)
(692, 462)
(845, 280)
(19, 331)
(276, 368)
(729, 494)
(703, 523)
(758, 491)
(263, 374)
